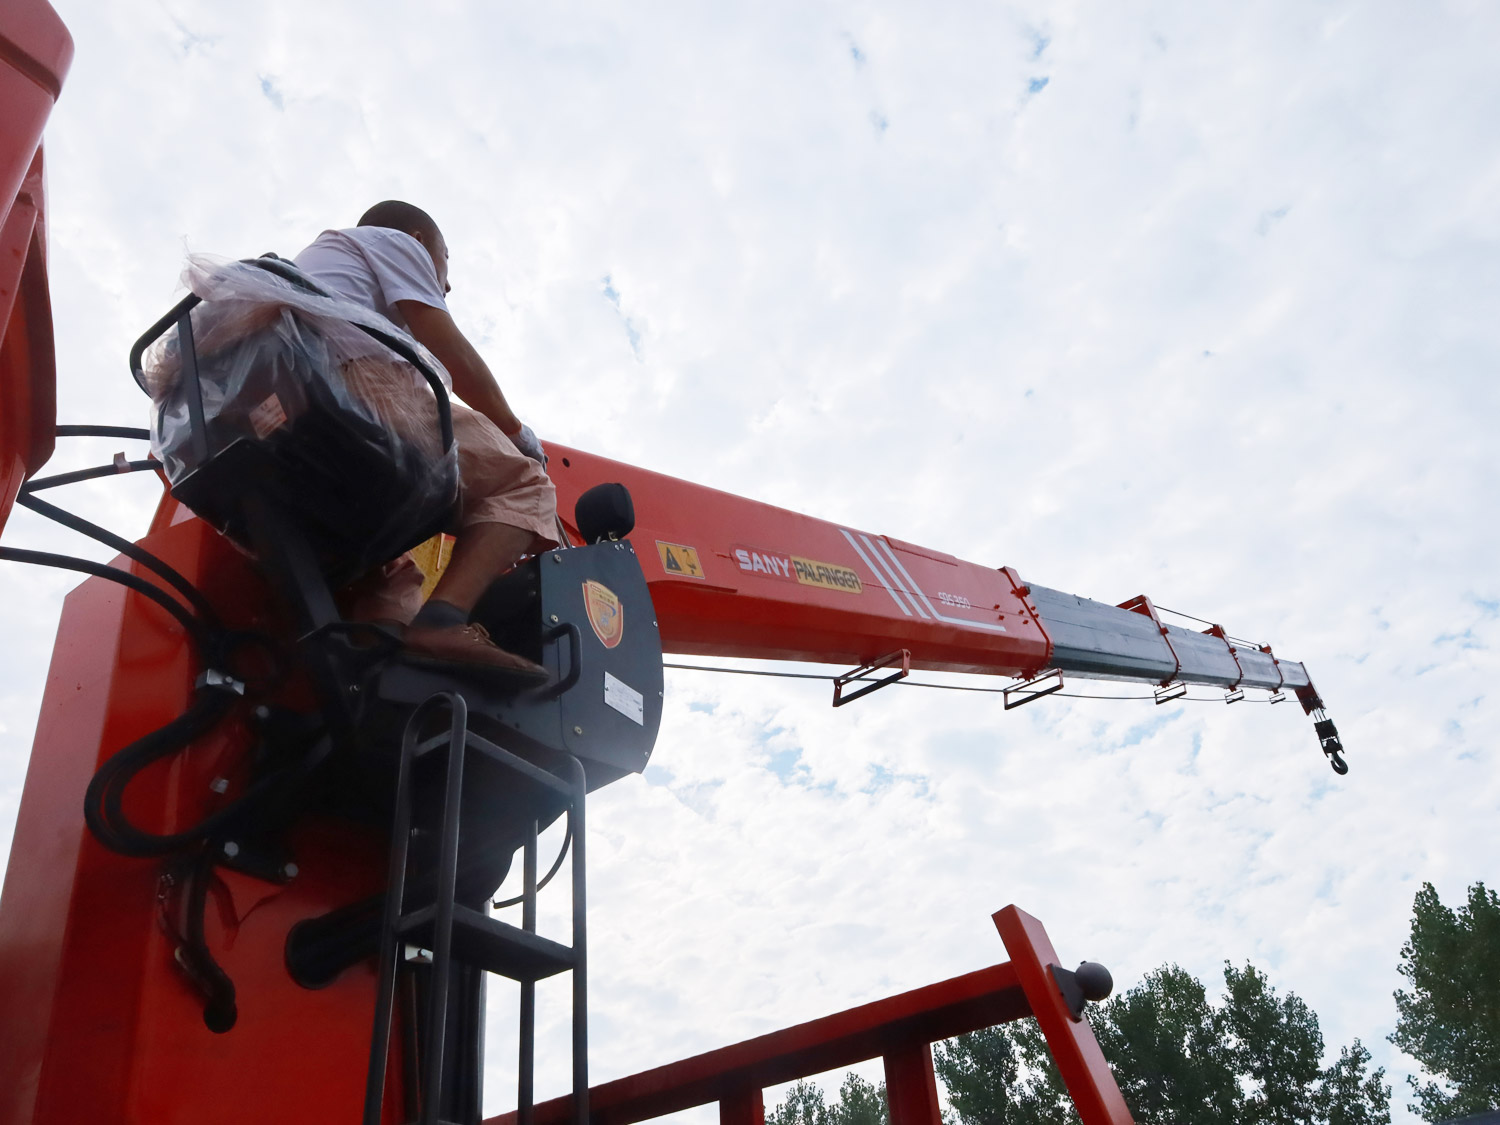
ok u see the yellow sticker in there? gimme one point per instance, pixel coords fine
(679, 560)
(829, 576)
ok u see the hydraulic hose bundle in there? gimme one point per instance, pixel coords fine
(219, 689)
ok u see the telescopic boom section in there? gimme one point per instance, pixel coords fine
(735, 577)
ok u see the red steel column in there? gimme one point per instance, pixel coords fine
(1074, 1048)
(744, 1107)
(911, 1087)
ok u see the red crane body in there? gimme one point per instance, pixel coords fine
(734, 577)
(97, 1020)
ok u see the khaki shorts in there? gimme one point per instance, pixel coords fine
(500, 484)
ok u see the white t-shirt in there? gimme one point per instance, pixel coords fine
(374, 267)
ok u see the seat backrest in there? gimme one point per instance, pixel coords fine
(332, 428)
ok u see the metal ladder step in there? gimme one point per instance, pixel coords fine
(490, 944)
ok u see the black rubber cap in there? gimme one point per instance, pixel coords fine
(1095, 980)
(604, 512)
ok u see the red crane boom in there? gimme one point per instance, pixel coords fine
(104, 954)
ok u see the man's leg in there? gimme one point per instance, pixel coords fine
(481, 552)
(442, 630)
(509, 510)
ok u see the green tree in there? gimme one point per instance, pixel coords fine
(1349, 1094)
(1276, 1044)
(860, 1103)
(1253, 1059)
(1450, 1020)
(987, 1085)
(1166, 1046)
(802, 1105)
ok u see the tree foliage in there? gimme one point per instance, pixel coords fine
(989, 1084)
(1166, 1045)
(860, 1103)
(1450, 1020)
(1254, 1059)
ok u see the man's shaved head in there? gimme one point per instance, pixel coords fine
(396, 215)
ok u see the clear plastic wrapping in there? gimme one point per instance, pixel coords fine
(339, 432)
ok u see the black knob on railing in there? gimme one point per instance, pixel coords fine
(1090, 981)
(1095, 980)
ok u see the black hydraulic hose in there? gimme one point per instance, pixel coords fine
(219, 1011)
(102, 808)
(135, 432)
(126, 548)
(562, 854)
(195, 628)
(113, 469)
(104, 801)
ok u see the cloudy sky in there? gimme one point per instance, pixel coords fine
(1180, 298)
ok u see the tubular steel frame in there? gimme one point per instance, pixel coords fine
(900, 1029)
(397, 925)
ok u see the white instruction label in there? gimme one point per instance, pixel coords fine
(624, 699)
(268, 417)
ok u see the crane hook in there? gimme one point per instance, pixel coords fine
(1328, 738)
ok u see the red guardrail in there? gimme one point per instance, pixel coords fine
(900, 1029)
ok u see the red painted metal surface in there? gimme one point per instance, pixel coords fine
(735, 577)
(96, 1021)
(911, 1086)
(35, 52)
(1074, 1048)
(899, 1029)
(745, 1107)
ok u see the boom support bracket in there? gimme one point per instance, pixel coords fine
(1142, 604)
(1036, 687)
(862, 673)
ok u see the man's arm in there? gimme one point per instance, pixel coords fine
(472, 381)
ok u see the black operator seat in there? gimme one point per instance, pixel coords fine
(257, 405)
(264, 433)
(266, 430)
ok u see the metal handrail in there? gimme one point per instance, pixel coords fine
(900, 1029)
(180, 314)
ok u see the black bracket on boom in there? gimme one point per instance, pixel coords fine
(1045, 684)
(900, 656)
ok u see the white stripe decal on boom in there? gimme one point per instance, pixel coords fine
(874, 550)
(879, 577)
(987, 626)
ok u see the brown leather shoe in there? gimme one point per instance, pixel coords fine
(471, 645)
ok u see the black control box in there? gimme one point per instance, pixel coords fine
(585, 614)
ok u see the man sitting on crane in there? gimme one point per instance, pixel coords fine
(396, 263)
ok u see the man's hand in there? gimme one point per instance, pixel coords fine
(526, 442)
(472, 381)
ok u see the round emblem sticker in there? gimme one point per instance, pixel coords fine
(606, 614)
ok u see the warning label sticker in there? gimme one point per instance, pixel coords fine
(679, 560)
(793, 568)
(268, 417)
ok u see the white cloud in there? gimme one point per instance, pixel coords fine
(1206, 315)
